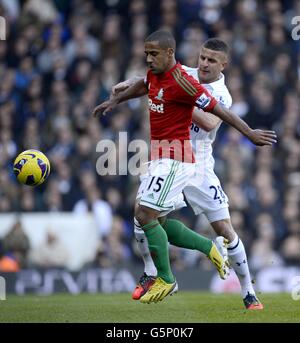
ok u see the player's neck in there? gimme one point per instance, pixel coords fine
(210, 81)
(171, 65)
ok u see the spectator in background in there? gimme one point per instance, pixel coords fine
(52, 200)
(31, 137)
(94, 204)
(51, 253)
(15, 249)
(28, 201)
(291, 249)
(45, 12)
(82, 44)
(263, 252)
(118, 249)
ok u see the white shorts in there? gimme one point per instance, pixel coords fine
(161, 188)
(204, 194)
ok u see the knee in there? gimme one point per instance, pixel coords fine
(162, 220)
(225, 229)
(144, 215)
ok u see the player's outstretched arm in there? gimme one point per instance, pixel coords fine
(206, 120)
(134, 91)
(122, 86)
(257, 137)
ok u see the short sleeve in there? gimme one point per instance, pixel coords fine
(190, 91)
(221, 94)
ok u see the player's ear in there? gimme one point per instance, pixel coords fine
(170, 52)
(224, 65)
(224, 62)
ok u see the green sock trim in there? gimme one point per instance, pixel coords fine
(159, 249)
(181, 236)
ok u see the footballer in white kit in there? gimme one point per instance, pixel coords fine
(204, 192)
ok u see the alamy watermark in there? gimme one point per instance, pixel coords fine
(2, 28)
(296, 29)
(2, 288)
(125, 157)
(296, 288)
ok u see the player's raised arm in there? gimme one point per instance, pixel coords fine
(134, 91)
(191, 91)
(122, 86)
(257, 137)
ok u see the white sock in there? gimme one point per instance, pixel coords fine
(238, 260)
(142, 243)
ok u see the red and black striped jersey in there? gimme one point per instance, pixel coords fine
(172, 97)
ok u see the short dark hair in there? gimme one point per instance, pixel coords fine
(216, 44)
(164, 38)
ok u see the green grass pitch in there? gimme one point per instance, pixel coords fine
(184, 307)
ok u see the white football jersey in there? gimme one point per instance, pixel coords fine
(220, 92)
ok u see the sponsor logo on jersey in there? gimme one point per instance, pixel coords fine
(155, 108)
(221, 100)
(160, 95)
(203, 101)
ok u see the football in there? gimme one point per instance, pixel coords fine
(31, 167)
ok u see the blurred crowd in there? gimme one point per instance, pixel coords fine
(61, 58)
